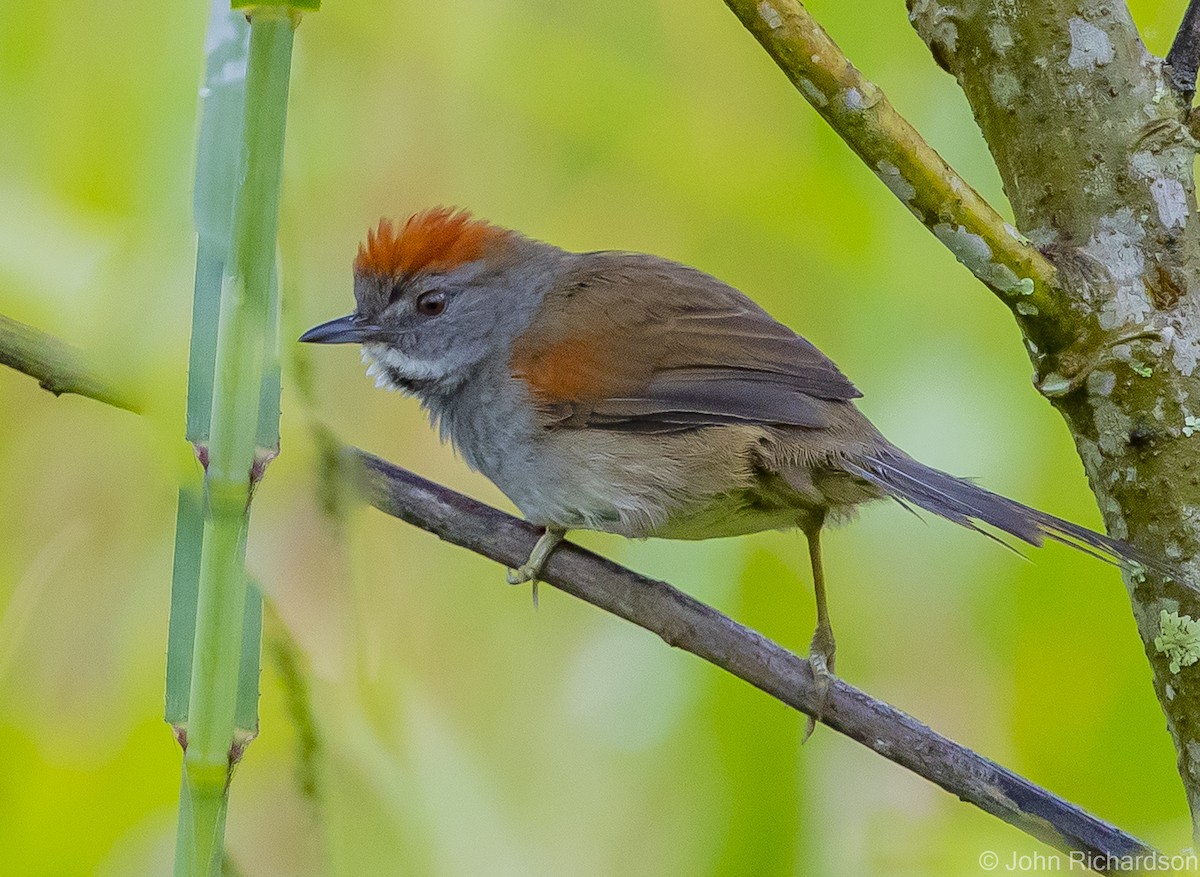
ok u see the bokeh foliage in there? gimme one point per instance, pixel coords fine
(462, 732)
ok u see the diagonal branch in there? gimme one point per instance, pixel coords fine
(1184, 57)
(943, 201)
(690, 625)
(58, 366)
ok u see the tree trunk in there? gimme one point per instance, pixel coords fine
(1092, 140)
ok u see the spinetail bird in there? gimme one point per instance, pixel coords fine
(628, 393)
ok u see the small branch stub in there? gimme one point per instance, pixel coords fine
(57, 366)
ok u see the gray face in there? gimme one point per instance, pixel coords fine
(429, 329)
(428, 332)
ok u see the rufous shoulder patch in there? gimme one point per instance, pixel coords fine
(438, 238)
(574, 369)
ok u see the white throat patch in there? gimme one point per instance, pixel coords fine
(380, 358)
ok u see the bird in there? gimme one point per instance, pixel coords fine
(631, 394)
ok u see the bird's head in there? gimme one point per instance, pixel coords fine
(438, 294)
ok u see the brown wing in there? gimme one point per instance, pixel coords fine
(629, 342)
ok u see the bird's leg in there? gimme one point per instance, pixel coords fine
(532, 568)
(823, 649)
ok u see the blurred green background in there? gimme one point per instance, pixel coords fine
(461, 732)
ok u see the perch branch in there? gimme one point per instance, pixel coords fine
(933, 191)
(1184, 57)
(58, 367)
(686, 623)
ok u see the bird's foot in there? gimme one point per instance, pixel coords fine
(526, 572)
(821, 654)
(531, 569)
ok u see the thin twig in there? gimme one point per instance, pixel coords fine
(686, 623)
(943, 201)
(1184, 57)
(57, 366)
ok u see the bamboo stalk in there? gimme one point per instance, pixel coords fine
(236, 367)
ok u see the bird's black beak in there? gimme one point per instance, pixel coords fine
(343, 330)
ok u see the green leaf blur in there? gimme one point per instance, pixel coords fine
(461, 732)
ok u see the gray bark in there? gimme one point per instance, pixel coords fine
(1091, 137)
(688, 624)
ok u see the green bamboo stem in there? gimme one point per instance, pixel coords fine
(202, 810)
(218, 159)
(245, 354)
(57, 366)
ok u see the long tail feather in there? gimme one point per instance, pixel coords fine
(970, 505)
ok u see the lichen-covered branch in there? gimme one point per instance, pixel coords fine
(686, 623)
(943, 201)
(57, 366)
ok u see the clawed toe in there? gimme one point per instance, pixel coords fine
(821, 658)
(821, 672)
(822, 652)
(520, 575)
(822, 678)
(531, 570)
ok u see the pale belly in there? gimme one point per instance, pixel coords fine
(704, 484)
(678, 487)
(726, 515)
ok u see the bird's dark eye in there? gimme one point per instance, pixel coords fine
(432, 303)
